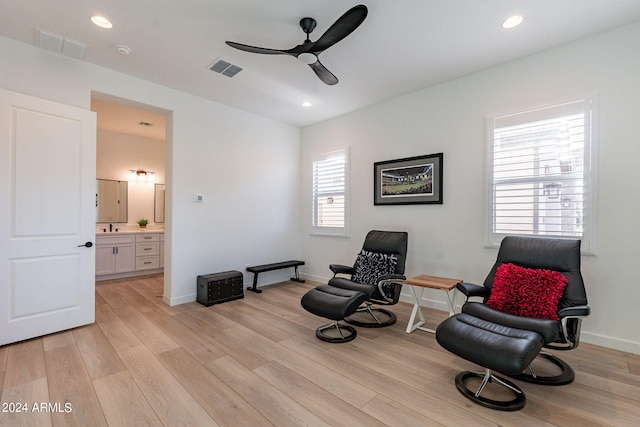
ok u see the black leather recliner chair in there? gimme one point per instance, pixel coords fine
(381, 286)
(508, 343)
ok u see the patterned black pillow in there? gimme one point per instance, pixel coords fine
(371, 265)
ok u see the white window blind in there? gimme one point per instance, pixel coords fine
(540, 173)
(330, 199)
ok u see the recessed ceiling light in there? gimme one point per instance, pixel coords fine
(512, 22)
(306, 104)
(101, 21)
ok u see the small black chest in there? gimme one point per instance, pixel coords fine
(220, 287)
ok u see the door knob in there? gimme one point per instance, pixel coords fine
(88, 245)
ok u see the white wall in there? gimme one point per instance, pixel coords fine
(449, 239)
(117, 154)
(246, 166)
(249, 170)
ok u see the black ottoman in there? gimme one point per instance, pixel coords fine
(494, 347)
(335, 304)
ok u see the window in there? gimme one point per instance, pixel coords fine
(330, 195)
(540, 173)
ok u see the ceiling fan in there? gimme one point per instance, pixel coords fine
(308, 51)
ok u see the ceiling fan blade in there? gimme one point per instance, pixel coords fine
(325, 75)
(255, 49)
(340, 29)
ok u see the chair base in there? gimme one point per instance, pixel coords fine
(565, 377)
(515, 404)
(340, 337)
(381, 318)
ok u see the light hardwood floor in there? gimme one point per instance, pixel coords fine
(256, 362)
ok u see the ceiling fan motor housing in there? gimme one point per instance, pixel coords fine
(307, 25)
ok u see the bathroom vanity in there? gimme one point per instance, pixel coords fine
(122, 249)
(129, 253)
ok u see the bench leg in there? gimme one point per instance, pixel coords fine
(297, 276)
(254, 288)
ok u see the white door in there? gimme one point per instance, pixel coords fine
(47, 211)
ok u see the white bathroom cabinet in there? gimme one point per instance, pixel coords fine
(128, 254)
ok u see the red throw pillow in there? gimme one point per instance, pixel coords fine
(527, 292)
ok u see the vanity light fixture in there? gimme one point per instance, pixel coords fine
(101, 22)
(142, 175)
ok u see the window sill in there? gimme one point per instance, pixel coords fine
(329, 234)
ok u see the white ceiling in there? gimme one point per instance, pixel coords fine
(116, 117)
(402, 46)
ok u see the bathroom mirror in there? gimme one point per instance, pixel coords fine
(158, 209)
(111, 201)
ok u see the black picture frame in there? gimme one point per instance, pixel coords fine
(409, 181)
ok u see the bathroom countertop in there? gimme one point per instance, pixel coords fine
(130, 231)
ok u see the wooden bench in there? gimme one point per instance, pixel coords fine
(256, 269)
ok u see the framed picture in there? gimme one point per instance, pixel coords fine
(410, 181)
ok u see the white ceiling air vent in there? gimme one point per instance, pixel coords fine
(225, 68)
(60, 44)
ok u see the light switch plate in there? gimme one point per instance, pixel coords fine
(198, 198)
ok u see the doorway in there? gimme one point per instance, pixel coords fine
(132, 148)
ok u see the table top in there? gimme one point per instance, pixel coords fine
(433, 282)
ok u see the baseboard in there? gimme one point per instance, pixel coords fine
(128, 274)
(271, 280)
(313, 278)
(179, 300)
(193, 297)
(610, 342)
